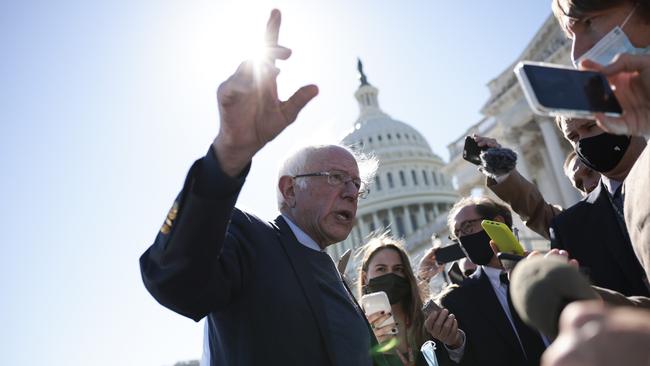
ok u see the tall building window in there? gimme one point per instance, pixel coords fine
(372, 226)
(390, 180)
(415, 177)
(402, 178)
(414, 222)
(425, 177)
(377, 183)
(435, 178)
(442, 179)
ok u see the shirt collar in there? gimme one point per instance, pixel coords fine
(611, 184)
(493, 275)
(302, 237)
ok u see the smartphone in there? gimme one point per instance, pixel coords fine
(503, 237)
(553, 90)
(449, 253)
(471, 151)
(429, 307)
(377, 301)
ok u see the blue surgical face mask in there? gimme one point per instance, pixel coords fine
(613, 43)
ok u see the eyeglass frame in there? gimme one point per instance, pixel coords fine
(362, 187)
(464, 227)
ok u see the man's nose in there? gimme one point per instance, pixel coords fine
(349, 188)
(580, 45)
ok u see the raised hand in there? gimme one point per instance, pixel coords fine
(250, 111)
(629, 76)
(428, 266)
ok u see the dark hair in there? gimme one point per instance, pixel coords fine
(486, 207)
(577, 9)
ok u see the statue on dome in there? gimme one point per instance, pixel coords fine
(362, 76)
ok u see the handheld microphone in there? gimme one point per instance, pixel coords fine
(541, 287)
(497, 161)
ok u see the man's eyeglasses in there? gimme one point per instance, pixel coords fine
(337, 177)
(468, 227)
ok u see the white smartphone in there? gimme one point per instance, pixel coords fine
(377, 301)
(558, 90)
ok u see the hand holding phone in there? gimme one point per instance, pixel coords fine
(503, 237)
(376, 302)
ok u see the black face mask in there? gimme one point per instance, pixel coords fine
(477, 247)
(396, 287)
(603, 152)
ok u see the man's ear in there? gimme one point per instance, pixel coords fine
(287, 188)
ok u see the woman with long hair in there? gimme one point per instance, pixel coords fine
(385, 266)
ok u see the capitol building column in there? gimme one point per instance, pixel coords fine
(408, 224)
(554, 149)
(393, 223)
(421, 216)
(375, 221)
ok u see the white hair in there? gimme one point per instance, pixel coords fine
(296, 162)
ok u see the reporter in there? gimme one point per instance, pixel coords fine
(385, 266)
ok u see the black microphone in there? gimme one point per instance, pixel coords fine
(541, 287)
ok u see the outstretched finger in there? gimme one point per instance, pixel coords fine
(272, 31)
(277, 52)
(298, 101)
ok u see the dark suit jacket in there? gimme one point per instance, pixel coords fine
(490, 339)
(591, 233)
(262, 303)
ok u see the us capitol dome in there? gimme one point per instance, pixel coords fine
(410, 195)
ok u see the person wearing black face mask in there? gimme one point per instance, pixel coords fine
(593, 230)
(493, 332)
(385, 267)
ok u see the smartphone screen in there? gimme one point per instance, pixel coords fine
(559, 88)
(471, 151)
(449, 253)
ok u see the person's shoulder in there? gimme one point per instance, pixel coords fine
(454, 293)
(243, 218)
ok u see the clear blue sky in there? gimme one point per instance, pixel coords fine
(104, 105)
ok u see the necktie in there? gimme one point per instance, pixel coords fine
(531, 340)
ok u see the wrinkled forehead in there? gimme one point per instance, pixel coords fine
(333, 158)
(466, 213)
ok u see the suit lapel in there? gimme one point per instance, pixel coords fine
(604, 215)
(493, 311)
(307, 282)
(310, 287)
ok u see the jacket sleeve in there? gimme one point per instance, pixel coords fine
(526, 200)
(194, 265)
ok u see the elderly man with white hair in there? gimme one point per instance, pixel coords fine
(270, 293)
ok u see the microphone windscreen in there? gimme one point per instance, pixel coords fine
(497, 161)
(541, 287)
